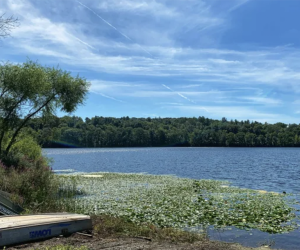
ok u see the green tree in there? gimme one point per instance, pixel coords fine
(29, 90)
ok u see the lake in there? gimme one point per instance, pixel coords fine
(271, 169)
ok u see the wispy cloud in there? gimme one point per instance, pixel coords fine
(113, 27)
(104, 20)
(69, 45)
(239, 113)
(152, 52)
(262, 100)
(154, 7)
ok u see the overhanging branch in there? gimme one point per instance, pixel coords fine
(24, 122)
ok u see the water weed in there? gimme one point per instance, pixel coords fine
(168, 201)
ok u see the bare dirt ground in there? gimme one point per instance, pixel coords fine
(127, 243)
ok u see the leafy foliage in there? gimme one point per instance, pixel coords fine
(29, 90)
(147, 132)
(27, 146)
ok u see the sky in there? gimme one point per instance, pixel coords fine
(238, 59)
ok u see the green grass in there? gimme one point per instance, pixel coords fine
(107, 226)
(171, 202)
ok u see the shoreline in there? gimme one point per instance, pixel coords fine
(114, 233)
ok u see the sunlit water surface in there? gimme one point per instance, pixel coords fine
(271, 169)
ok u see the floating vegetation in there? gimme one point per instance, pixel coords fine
(169, 201)
(92, 175)
(64, 170)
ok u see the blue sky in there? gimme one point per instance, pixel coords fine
(238, 59)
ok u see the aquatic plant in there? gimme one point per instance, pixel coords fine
(169, 201)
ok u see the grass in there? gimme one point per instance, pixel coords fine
(109, 226)
(106, 226)
(171, 202)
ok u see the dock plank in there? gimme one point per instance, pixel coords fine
(7, 222)
(24, 228)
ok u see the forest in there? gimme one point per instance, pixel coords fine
(73, 131)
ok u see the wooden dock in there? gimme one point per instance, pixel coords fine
(25, 228)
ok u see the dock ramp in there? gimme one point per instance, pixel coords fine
(20, 229)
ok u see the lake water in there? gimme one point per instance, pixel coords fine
(271, 169)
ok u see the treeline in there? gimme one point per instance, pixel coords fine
(147, 132)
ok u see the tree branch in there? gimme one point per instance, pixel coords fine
(7, 24)
(3, 92)
(6, 119)
(24, 122)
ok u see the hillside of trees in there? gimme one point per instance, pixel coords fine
(156, 132)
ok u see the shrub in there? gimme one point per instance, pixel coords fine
(25, 146)
(32, 184)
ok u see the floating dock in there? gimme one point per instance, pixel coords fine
(20, 229)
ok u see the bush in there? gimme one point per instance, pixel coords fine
(32, 184)
(27, 146)
(26, 175)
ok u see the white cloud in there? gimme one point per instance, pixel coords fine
(98, 85)
(169, 103)
(222, 61)
(233, 112)
(154, 28)
(67, 44)
(155, 7)
(262, 100)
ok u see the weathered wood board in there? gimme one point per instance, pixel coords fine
(25, 228)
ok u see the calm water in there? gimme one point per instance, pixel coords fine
(271, 169)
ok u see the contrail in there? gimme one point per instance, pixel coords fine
(238, 5)
(109, 24)
(178, 93)
(181, 95)
(167, 87)
(109, 97)
(83, 42)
